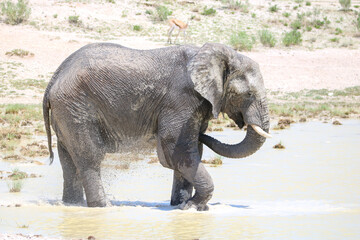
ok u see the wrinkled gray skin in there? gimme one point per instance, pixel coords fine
(105, 97)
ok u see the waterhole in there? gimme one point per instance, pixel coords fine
(309, 190)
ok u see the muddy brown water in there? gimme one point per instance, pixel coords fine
(309, 190)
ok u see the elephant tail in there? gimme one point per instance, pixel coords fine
(46, 110)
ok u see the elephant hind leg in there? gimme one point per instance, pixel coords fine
(86, 147)
(73, 190)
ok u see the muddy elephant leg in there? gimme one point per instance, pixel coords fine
(88, 159)
(94, 191)
(203, 184)
(73, 190)
(181, 189)
(87, 151)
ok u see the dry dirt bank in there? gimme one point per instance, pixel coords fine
(284, 70)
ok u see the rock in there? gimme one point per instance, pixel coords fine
(279, 146)
(336, 122)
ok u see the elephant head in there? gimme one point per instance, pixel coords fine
(233, 84)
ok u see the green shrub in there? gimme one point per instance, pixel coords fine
(74, 20)
(358, 22)
(15, 185)
(15, 13)
(292, 38)
(162, 13)
(55, 15)
(208, 11)
(286, 14)
(267, 38)
(295, 25)
(273, 8)
(308, 28)
(345, 4)
(318, 23)
(242, 41)
(308, 3)
(136, 27)
(19, 52)
(238, 5)
(111, 1)
(338, 31)
(334, 40)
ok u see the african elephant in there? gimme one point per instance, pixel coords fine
(105, 97)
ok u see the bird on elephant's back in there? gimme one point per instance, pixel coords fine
(104, 97)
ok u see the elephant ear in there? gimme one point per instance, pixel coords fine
(208, 70)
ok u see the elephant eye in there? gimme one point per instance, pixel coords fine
(250, 94)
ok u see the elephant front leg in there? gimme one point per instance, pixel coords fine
(181, 189)
(203, 185)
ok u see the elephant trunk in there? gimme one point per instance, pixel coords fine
(253, 140)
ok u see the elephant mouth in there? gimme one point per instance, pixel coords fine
(240, 122)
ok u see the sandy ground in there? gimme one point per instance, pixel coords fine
(284, 70)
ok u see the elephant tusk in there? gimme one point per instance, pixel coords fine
(260, 131)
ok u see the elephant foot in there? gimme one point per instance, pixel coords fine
(190, 204)
(74, 202)
(180, 198)
(74, 198)
(101, 203)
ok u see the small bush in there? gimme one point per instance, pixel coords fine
(74, 20)
(292, 38)
(286, 14)
(274, 8)
(308, 3)
(338, 31)
(15, 186)
(216, 161)
(55, 15)
(267, 38)
(110, 1)
(208, 11)
(162, 13)
(19, 53)
(242, 41)
(295, 25)
(358, 22)
(237, 5)
(15, 13)
(318, 24)
(136, 27)
(149, 12)
(345, 4)
(334, 40)
(17, 174)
